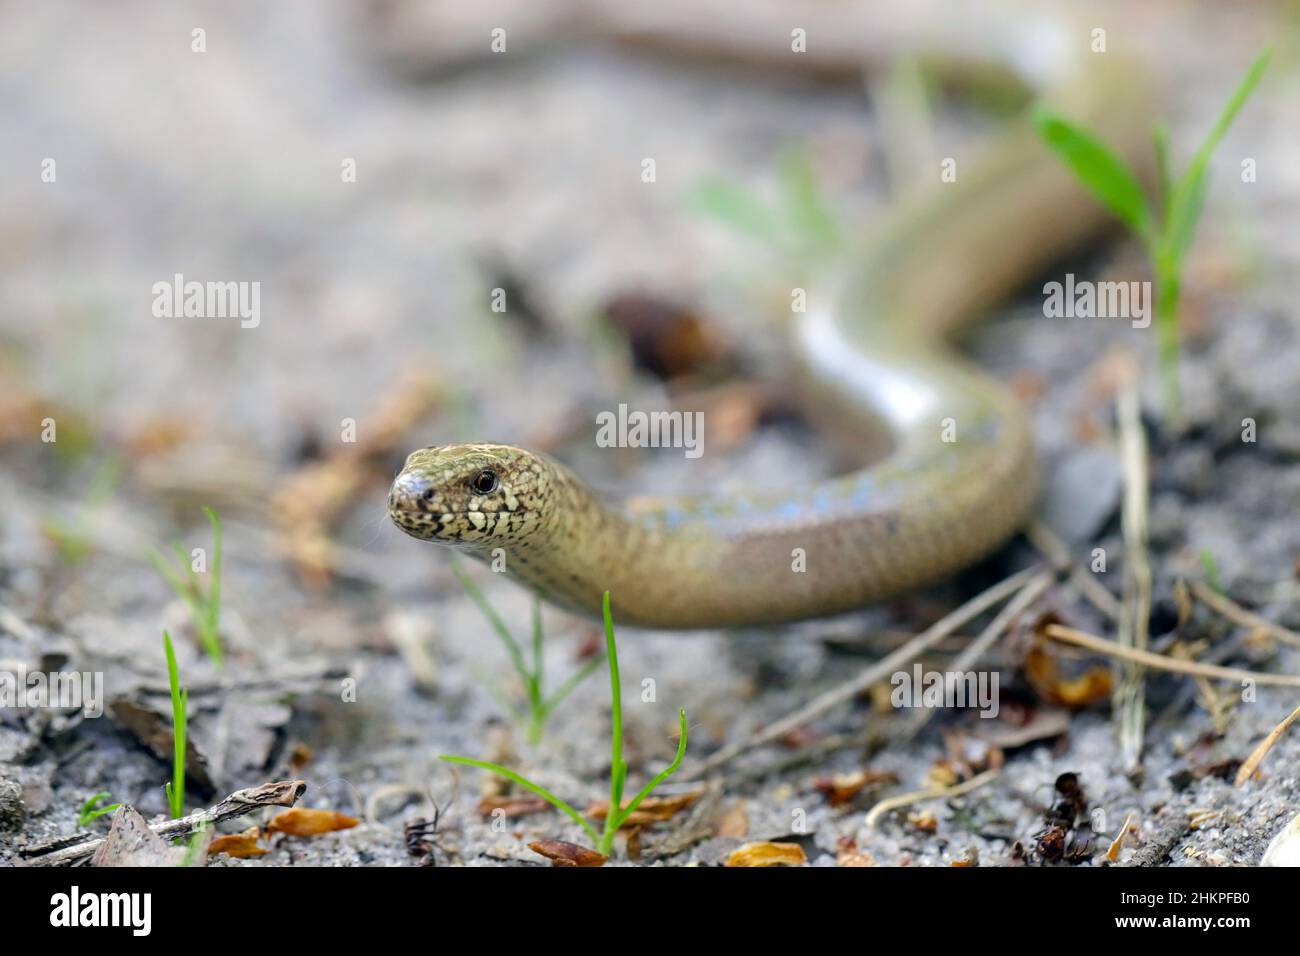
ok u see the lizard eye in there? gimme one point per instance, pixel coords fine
(485, 482)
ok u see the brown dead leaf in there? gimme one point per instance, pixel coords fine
(160, 433)
(650, 810)
(1085, 690)
(310, 499)
(241, 845)
(1042, 724)
(1112, 854)
(924, 820)
(733, 822)
(800, 738)
(944, 773)
(308, 821)
(1251, 763)
(768, 854)
(153, 728)
(130, 842)
(300, 756)
(1042, 670)
(567, 854)
(1030, 387)
(842, 788)
(848, 854)
(512, 806)
(665, 338)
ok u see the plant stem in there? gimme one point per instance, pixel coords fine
(618, 769)
(211, 633)
(527, 784)
(1167, 295)
(176, 789)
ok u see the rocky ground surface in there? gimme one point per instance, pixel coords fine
(527, 175)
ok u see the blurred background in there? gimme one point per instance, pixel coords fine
(385, 177)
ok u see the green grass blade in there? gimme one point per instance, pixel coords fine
(1185, 207)
(1188, 197)
(804, 203)
(565, 689)
(498, 625)
(1229, 114)
(527, 784)
(175, 581)
(1104, 174)
(535, 682)
(212, 637)
(90, 812)
(668, 771)
(1212, 576)
(738, 208)
(180, 700)
(618, 769)
(1164, 172)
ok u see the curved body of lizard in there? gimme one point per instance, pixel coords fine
(958, 477)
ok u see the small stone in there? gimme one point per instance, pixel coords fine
(1285, 848)
(12, 809)
(1083, 493)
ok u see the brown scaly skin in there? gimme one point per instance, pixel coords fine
(957, 482)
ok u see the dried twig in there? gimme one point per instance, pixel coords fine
(932, 793)
(876, 672)
(279, 793)
(1248, 768)
(1129, 700)
(971, 656)
(1239, 615)
(1155, 850)
(1162, 662)
(1054, 549)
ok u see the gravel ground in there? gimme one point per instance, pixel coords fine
(228, 165)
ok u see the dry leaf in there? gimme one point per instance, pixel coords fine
(733, 822)
(241, 845)
(1043, 724)
(300, 756)
(842, 788)
(306, 821)
(130, 842)
(1042, 670)
(667, 339)
(768, 854)
(153, 728)
(1112, 854)
(1247, 769)
(512, 806)
(848, 854)
(925, 821)
(567, 854)
(944, 773)
(649, 810)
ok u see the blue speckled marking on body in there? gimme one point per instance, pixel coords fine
(863, 489)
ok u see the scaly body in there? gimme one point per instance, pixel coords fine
(958, 478)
